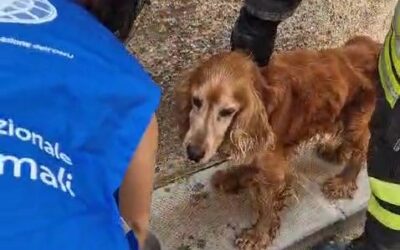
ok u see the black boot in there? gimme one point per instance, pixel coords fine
(117, 16)
(356, 244)
(254, 36)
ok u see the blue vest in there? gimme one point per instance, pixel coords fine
(74, 105)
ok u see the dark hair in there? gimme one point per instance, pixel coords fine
(117, 15)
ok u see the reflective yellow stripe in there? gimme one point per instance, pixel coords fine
(387, 69)
(388, 80)
(385, 191)
(388, 94)
(396, 19)
(386, 56)
(387, 218)
(393, 44)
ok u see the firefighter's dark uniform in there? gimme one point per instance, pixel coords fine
(382, 228)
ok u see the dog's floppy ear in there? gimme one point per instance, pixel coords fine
(183, 102)
(251, 131)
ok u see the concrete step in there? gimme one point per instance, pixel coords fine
(189, 215)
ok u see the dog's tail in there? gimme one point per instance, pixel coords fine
(363, 53)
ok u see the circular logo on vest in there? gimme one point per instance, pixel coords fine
(27, 11)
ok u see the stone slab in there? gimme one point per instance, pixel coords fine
(190, 215)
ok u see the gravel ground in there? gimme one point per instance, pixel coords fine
(171, 36)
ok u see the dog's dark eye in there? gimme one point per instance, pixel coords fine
(197, 102)
(226, 112)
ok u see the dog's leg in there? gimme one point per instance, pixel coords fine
(270, 200)
(344, 184)
(268, 189)
(235, 179)
(333, 152)
(354, 147)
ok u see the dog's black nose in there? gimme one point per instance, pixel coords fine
(195, 153)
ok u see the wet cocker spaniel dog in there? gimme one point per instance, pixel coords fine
(262, 114)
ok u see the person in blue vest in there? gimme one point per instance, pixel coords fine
(77, 123)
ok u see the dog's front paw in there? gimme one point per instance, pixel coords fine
(251, 239)
(336, 188)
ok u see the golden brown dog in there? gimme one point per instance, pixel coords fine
(263, 114)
